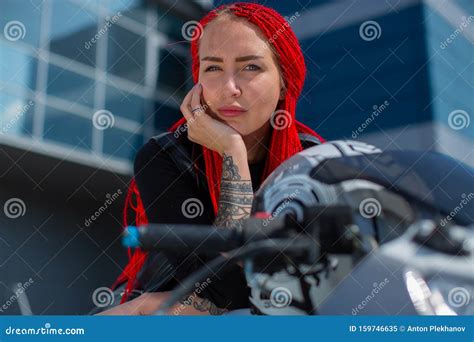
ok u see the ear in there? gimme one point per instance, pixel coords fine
(282, 88)
(282, 93)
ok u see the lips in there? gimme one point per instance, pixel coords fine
(231, 111)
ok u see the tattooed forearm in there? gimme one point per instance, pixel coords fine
(230, 171)
(244, 186)
(203, 305)
(236, 197)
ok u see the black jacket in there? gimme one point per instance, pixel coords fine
(166, 177)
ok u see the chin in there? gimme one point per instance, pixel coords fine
(239, 127)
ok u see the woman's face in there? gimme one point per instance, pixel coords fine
(238, 71)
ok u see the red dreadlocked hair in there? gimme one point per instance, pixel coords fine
(284, 143)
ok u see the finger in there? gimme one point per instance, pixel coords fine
(196, 99)
(185, 105)
(206, 107)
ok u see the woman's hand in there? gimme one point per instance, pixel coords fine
(145, 304)
(205, 130)
(149, 302)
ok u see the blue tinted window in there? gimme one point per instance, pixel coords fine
(70, 86)
(16, 67)
(126, 54)
(67, 128)
(124, 104)
(16, 115)
(121, 144)
(20, 20)
(73, 29)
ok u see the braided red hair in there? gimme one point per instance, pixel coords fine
(284, 143)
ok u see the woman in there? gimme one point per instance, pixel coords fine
(238, 125)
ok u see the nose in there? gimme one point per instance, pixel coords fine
(230, 87)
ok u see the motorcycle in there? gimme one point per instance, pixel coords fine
(344, 228)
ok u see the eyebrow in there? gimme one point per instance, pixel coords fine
(238, 59)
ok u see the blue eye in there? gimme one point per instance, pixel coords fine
(211, 68)
(252, 67)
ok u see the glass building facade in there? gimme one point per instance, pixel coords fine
(62, 61)
(83, 84)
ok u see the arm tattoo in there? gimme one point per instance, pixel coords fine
(236, 197)
(230, 171)
(202, 304)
